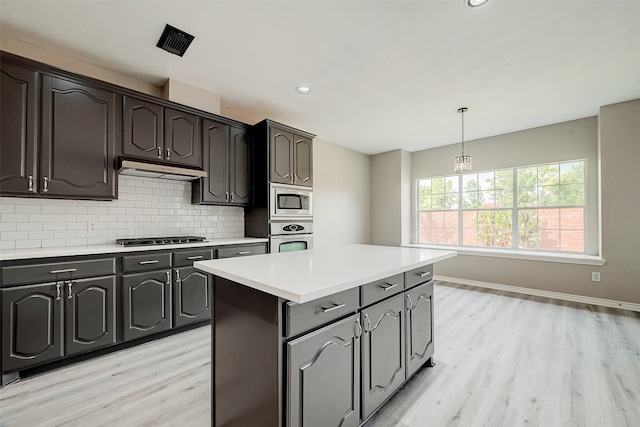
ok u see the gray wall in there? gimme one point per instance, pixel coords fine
(341, 195)
(615, 133)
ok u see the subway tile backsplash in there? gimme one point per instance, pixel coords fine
(145, 207)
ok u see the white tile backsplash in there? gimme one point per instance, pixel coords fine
(145, 207)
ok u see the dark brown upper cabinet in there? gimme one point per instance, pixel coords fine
(227, 151)
(291, 157)
(155, 132)
(18, 130)
(78, 141)
(73, 154)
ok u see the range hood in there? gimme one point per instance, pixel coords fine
(152, 170)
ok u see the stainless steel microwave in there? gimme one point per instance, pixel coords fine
(290, 201)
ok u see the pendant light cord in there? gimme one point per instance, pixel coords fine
(462, 133)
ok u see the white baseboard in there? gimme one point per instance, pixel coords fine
(541, 293)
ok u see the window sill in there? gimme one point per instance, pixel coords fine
(532, 256)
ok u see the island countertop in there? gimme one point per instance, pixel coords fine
(303, 276)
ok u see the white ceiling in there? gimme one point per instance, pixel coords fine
(384, 74)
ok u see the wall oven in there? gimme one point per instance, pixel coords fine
(290, 201)
(290, 236)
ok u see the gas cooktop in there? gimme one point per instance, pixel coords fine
(151, 241)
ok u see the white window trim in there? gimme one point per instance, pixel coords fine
(565, 258)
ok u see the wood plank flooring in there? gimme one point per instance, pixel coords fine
(502, 360)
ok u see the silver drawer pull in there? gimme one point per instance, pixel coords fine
(423, 273)
(335, 307)
(192, 258)
(68, 270)
(153, 261)
(244, 252)
(388, 286)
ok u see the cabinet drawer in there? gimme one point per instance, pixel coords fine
(244, 250)
(418, 275)
(186, 258)
(49, 272)
(381, 289)
(147, 262)
(303, 317)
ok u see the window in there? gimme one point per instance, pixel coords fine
(539, 207)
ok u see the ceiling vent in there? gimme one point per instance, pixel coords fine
(174, 40)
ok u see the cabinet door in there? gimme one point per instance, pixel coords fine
(90, 320)
(78, 140)
(383, 347)
(215, 187)
(31, 325)
(191, 296)
(280, 147)
(146, 303)
(419, 303)
(303, 161)
(183, 142)
(143, 129)
(323, 377)
(239, 165)
(18, 130)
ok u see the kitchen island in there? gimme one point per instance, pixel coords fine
(321, 337)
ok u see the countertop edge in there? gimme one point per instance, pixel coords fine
(24, 254)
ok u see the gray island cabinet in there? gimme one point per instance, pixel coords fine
(318, 337)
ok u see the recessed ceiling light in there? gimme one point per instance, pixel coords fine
(304, 90)
(476, 3)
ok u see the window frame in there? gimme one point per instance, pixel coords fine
(514, 210)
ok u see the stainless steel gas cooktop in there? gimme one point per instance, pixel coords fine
(151, 241)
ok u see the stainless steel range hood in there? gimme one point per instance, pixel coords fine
(152, 170)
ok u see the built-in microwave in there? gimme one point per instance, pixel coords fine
(290, 201)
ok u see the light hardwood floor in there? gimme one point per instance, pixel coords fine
(502, 360)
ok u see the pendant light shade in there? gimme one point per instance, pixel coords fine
(462, 162)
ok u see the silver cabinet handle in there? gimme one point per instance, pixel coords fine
(68, 270)
(159, 152)
(358, 328)
(178, 276)
(69, 290)
(367, 328)
(168, 278)
(153, 261)
(226, 196)
(232, 196)
(244, 252)
(58, 292)
(168, 153)
(335, 307)
(192, 258)
(45, 185)
(423, 273)
(410, 302)
(388, 286)
(31, 184)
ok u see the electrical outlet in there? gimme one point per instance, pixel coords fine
(595, 276)
(215, 225)
(93, 226)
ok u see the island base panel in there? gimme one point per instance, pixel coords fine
(245, 348)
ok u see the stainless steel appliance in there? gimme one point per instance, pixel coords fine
(290, 236)
(290, 201)
(152, 241)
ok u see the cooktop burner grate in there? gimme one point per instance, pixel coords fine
(152, 241)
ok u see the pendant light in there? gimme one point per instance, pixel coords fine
(462, 163)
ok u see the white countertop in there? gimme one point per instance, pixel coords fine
(303, 276)
(15, 254)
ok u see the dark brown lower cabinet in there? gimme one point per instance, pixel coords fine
(323, 377)
(419, 326)
(90, 321)
(44, 322)
(146, 303)
(191, 296)
(383, 352)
